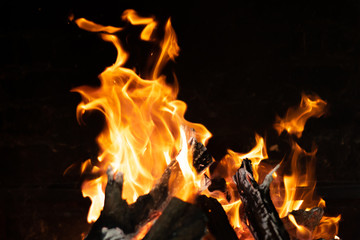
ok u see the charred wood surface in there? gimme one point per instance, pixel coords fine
(260, 215)
(117, 212)
(309, 219)
(218, 223)
(179, 221)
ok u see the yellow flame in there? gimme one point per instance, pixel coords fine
(94, 190)
(296, 117)
(143, 118)
(256, 155)
(302, 232)
(300, 184)
(94, 27)
(226, 169)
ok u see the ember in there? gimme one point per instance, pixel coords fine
(153, 166)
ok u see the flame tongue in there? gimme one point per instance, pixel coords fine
(143, 118)
(295, 119)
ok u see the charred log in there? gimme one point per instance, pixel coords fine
(309, 219)
(118, 214)
(179, 220)
(218, 223)
(260, 215)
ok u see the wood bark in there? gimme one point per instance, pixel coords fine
(260, 215)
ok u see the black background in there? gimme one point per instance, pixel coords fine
(240, 65)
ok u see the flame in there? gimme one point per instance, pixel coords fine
(94, 190)
(256, 155)
(302, 232)
(144, 229)
(295, 119)
(300, 185)
(304, 179)
(145, 129)
(226, 169)
(328, 228)
(143, 118)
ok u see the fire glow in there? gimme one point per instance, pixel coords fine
(146, 129)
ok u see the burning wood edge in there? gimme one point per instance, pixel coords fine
(260, 215)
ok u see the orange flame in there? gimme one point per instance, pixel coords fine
(226, 169)
(145, 130)
(300, 185)
(290, 191)
(143, 118)
(256, 155)
(295, 119)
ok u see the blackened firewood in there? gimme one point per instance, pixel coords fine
(261, 216)
(201, 156)
(218, 223)
(309, 219)
(118, 214)
(179, 221)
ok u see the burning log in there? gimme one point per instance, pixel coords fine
(179, 220)
(309, 219)
(118, 214)
(260, 215)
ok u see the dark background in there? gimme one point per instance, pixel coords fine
(239, 66)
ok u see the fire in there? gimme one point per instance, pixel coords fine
(146, 129)
(143, 117)
(300, 184)
(226, 169)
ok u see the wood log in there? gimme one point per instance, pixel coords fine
(179, 221)
(118, 214)
(309, 219)
(218, 223)
(260, 215)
